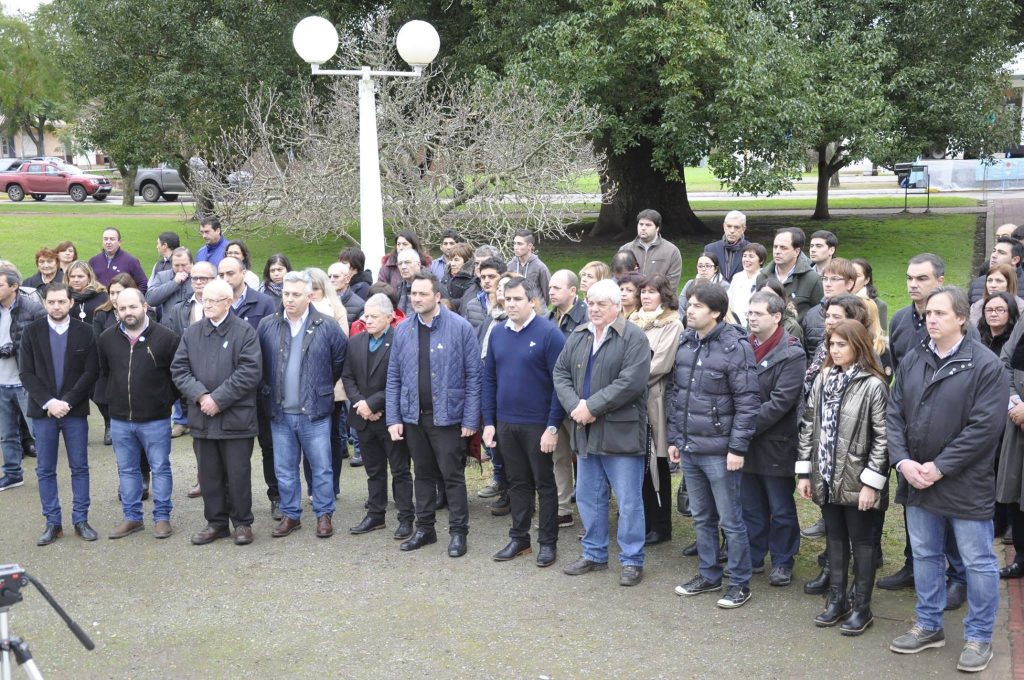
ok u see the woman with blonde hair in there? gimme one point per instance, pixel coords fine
(591, 273)
(87, 293)
(843, 466)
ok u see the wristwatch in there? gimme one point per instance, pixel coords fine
(551, 429)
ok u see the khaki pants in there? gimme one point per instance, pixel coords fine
(562, 459)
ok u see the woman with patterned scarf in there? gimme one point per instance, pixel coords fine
(843, 465)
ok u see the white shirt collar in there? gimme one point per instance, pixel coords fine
(509, 324)
(296, 326)
(62, 327)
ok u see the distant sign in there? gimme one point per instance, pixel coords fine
(1003, 169)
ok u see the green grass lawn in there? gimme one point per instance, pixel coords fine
(847, 202)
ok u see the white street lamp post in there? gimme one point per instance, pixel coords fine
(316, 41)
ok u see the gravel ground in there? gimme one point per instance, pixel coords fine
(355, 606)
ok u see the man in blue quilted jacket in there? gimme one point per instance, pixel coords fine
(433, 401)
(713, 400)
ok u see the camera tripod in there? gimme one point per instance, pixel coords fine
(12, 579)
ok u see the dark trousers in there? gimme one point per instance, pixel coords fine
(845, 526)
(225, 476)
(530, 474)
(438, 453)
(658, 517)
(769, 512)
(266, 440)
(1016, 517)
(338, 452)
(379, 453)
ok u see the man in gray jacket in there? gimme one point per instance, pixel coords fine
(946, 413)
(172, 286)
(217, 369)
(601, 380)
(654, 255)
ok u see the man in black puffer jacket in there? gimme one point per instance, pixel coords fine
(712, 401)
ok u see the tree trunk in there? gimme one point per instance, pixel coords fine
(128, 179)
(639, 186)
(821, 203)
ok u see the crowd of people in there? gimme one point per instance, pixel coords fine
(761, 381)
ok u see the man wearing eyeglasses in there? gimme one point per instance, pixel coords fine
(252, 306)
(838, 277)
(217, 368)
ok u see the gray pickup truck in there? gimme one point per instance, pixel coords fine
(162, 181)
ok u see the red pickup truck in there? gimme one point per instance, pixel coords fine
(39, 179)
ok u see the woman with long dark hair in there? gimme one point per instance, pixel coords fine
(998, 319)
(404, 240)
(843, 466)
(273, 274)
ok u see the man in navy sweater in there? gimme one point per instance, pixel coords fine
(520, 406)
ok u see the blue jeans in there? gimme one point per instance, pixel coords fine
(713, 488)
(497, 464)
(769, 512)
(626, 476)
(295, 435)
(974, 540)
(132, 440)
(178, 415)
(13, 406)
(76, 443)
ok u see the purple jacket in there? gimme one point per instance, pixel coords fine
(123, 262)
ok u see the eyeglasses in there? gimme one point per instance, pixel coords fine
(832, 279)
(200, 279)
(705, 266)
(996, 310)
(213, 301)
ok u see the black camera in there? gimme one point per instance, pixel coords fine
(12, 578)
(7, 350)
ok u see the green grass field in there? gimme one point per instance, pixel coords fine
(886, 241)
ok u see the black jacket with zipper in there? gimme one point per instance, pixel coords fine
(138, 377)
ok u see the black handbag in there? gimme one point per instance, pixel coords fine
(683, 499)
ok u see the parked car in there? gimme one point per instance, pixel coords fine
(162, 181)
(40, 179)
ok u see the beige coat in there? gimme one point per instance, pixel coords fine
(663, 335)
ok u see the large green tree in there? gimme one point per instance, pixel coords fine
(33, 91)
(163, 80)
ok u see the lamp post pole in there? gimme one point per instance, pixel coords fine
(316, 41)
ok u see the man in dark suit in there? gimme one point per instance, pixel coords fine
(58, 369)
(365, 377)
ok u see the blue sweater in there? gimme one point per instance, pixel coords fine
(517, 385)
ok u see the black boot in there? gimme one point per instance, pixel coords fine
(863, 580)
(836, 608)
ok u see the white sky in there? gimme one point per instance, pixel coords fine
(16, 6)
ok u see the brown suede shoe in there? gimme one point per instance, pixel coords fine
(209, 535)
(125, 528)
(324, 528)
(243, 535)
(286, 526)
(162, 529)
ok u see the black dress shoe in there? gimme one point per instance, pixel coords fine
(106, 436)
(1015, 570)
(514, 549)
(653, 538)
(546, 556)
(818, 584)
(357, 460)
(404, 530)
(956, 595)
(690, 550)
(367, 525)
(457, 545)
(904, 578)
(419, 539)
(52, 533)
(28, 449)
(86, 532)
